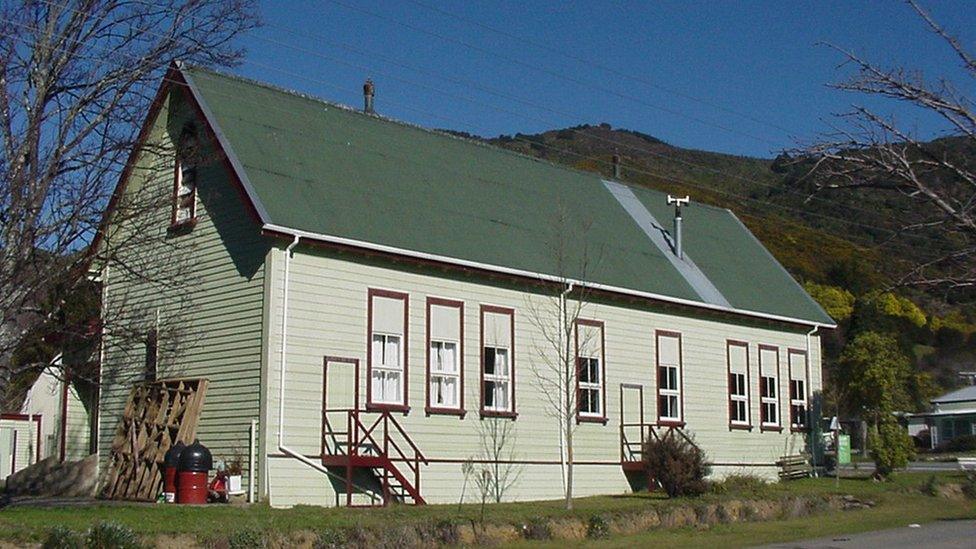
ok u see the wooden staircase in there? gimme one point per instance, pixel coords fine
(633, 436)
(373, 441)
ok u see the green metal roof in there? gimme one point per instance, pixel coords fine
(321, 168)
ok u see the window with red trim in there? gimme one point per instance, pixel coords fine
(768, 386)
(185, 181)
(738, 357)
(798, 390)
(445, 357)
(590, 371)
(497, 361)
(669, 397)
(387, 351)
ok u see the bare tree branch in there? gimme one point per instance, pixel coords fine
(77, 78)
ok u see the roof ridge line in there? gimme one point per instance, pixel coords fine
(442, 133)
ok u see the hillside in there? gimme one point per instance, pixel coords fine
(842, 242)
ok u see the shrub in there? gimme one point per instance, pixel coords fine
(247, 539)
(597, 527)
(447, 533)
(677, 464)
(61, 537)
(931, 486)
(969, 487)
(329, 538)
(537, 529)
(111, 535)
(739, 484)
(962, 443)
(891, 447)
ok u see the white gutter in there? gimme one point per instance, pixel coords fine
(281, 380)
(298, 233)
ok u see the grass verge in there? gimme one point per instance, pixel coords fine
(898, 502)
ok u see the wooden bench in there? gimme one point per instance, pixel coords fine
(967, 464)
(793, 467)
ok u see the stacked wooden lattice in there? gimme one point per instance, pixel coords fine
(157, 415)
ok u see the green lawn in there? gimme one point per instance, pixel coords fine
(893, 510)
(899, 503)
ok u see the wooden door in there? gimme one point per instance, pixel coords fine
(631, 420)
(340, 394)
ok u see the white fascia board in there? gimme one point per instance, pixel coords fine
(540, 276)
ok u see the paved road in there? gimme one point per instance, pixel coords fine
(920, 466)
(949, 534)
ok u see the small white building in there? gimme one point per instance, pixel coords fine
(53, 421)
(952, 415)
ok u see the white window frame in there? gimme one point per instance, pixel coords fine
(737, 398)
(497, 379)
(181, 190)
(765, 385)
(802, 400)
(596, 386)
(436, 375)
(670, 392)
(380, 365)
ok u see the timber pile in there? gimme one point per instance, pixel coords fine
(795, 466)
(157, 415)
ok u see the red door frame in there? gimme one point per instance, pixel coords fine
(325, 378)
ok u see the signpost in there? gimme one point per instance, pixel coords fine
(843, 449)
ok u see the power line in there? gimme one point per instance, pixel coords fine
(449, 78)
(601, 66)
(480, 87)
(652, 174)
(551, 73)
(547, 122)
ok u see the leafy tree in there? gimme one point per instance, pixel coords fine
(874, 375)
(838, 302)
(891, 447)
(886, 312)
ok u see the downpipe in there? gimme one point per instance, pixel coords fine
(281, 380)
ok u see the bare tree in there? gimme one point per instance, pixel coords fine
(495, 471)
(936, 181)
(76, 81)
(556, 319)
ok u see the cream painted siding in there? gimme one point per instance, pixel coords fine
(77, 427)
(213, 323)
(327, 306)
(20, 444)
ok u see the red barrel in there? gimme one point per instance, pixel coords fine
(171, 464)
(191, 488)
(195, 465)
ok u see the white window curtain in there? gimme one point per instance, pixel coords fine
(497, 388)
(387, 369)
(445, 376)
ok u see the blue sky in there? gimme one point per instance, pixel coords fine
(738, 77)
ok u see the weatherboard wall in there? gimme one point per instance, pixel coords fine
(211, 322)
(327, 315)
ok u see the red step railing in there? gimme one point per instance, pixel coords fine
(377, 444)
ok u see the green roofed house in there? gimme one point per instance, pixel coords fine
(378, 298)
